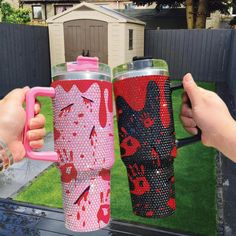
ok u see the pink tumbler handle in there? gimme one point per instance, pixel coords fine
(30, 102)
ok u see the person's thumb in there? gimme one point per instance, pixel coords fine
(191, 89)
(17, 96)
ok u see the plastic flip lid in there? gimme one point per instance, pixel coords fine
(83, 68)
(141, 66)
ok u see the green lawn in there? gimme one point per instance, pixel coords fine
(46, 109)
(195, 186)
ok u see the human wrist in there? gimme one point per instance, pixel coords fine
(6, 158)
(226, 141)
(4, 136)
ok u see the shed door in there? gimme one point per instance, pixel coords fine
(87, 35)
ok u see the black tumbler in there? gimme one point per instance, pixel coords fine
(147, 136)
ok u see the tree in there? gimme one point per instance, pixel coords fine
(196, 10)
(11, 15)
(232, 23)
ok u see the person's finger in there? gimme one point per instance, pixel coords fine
(36, 144)
(186, 110)
(37, 107)
(191, 89)
(185, 97)
(188, 122)
(37, 122)
(17, 96)
(36, 134)
(193, 131)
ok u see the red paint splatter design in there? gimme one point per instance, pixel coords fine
(57, 134)
(174, 151)
(83, 86)
(139, 89)
(64, 111)
(83, 196)
(87, 101)
(105, 174)
(171, 203)
(81, 155)
(93, 133)
(90, 115)
(146, 141)
(155, 155)
(149, 213)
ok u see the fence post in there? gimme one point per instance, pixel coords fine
(226, 169)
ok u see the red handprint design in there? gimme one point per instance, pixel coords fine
(68, 170)
(138, 180)
(147, 121)
(104, 210)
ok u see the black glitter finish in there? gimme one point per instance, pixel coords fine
(148, 145)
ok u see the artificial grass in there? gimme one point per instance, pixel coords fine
(46, 109)
(194, 181)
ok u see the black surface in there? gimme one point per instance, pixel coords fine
(24, 57)
(146, 144)
(204, 53)
(25, 219)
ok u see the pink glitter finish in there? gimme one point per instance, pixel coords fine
(83, 134)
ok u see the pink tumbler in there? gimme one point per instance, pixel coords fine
(83, 136)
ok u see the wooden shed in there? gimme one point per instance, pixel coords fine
(95, 30)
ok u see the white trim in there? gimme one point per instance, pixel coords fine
(112, 13)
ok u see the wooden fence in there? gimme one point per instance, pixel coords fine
(204, 53)
(24, 56)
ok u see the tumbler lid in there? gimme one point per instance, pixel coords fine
(141, 66)
(84, 68)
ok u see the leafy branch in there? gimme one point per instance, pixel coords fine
(12, 15)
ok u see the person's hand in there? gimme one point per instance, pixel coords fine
(210, 114)
(12, 121)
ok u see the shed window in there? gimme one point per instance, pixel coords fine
(131, 39)
(37, 12)
(60, 8)
(129, 5)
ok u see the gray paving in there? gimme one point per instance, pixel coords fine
(20, 174)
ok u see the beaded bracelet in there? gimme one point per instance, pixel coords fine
(6, 158)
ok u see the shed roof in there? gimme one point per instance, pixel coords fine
(120, 17)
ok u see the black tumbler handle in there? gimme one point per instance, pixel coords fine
(189, 140)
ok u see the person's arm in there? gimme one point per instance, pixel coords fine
(12, 121)
(211, 115)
